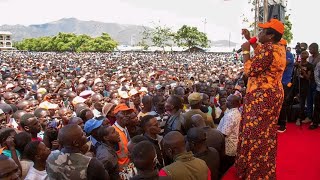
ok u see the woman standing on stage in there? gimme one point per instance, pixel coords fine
(257, 148)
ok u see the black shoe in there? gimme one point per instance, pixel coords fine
(313, 126)
(282, 129)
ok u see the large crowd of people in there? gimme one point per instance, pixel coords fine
(135, 115)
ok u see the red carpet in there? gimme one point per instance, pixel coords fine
(298, 155)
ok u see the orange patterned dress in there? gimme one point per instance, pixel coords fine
(257, 147)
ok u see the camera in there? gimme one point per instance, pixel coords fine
(298, 49)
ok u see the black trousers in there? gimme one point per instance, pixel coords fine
(301, 90)
(285, 106)
(316, 112)
(303, 97)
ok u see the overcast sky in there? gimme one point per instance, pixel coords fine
(223, 17)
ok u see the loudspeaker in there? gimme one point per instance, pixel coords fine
(276, 11)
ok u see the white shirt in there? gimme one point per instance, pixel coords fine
(34, 174)
(218, 112)
(96, 113)
(141, 114)
(123, 130)
(25, 165)
(14, 123)
(229, 126)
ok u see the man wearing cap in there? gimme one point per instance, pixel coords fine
(91, 128)
(122, 112)
(262, 103)
(135, 99)
(124, 97)
(195, 101)
(160, 90)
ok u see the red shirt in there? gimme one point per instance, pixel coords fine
(36, 139)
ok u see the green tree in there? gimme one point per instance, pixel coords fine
(288, 35)
(64, 42)
(146, 34)
(162, 36)
(100, 44)
(159, 36)
(190, 36)
(82, 43)
(68, 42)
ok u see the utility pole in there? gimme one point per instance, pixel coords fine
(265, 10)
(229, 38)
(204, 25)
(258, 4)
(256, 16)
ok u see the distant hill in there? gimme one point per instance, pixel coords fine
(223, 43)
(122, 33)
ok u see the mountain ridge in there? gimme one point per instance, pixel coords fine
(124, 34)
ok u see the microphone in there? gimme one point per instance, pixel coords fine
(252, 41)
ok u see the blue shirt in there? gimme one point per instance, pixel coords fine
(95, 143)
(287, 74)
(317, 76)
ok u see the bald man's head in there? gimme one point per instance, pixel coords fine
(174, 144)
(71, 95)
(233, 101)
(9, 98)
(197, 121)
(80, 88)
(196, 140)
(96, 98)
(77, 121)
(22, 105)
(71, 136)
(18, 114)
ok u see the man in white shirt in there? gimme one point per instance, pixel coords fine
(97, 104)
(229, 126)
(38, 153)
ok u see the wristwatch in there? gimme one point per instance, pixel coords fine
(245, 52)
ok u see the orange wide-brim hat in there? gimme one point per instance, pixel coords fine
(274, 24)
(121, 107)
